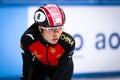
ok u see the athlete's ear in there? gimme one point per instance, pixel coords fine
(40, 28)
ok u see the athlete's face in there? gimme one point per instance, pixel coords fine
(52, 34)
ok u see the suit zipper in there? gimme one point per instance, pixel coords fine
(47, 54)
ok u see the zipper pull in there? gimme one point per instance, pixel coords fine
(47, 45)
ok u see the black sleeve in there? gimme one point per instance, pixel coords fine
(27, 58)
(69, 49)
(67, 56)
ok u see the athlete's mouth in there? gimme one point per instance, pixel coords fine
(55, 39)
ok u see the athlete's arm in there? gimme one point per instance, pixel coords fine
(27, 58)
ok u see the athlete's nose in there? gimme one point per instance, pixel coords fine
(56, 33)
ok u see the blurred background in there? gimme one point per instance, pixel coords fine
(94, 24)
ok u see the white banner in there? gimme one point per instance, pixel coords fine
(96, 30)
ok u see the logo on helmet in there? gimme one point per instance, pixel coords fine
(58, 21)
(39, 16)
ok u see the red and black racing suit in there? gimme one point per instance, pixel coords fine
(41, 59)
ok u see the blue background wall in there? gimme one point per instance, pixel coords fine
(13, 21)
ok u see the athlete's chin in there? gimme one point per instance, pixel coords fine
(54, 41)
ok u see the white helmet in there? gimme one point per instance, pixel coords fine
(49, 15)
